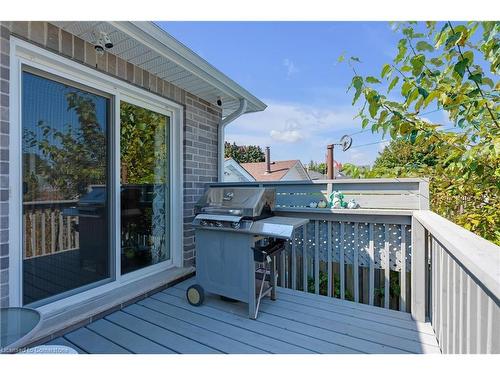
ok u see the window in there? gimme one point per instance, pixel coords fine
(100, 163)
(144, 177)
(65, 178)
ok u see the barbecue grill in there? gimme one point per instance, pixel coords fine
(238, 238)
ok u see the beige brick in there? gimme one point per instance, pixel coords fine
(79, 49)
(37, 32)
(90, 55)
(53, 37)
(20, 28)
(66, 43)
(130, 72)
(111, 64)
(145, 79)
(121, 68)
(101, 61)
(137, 75)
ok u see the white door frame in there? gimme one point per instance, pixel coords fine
(24, 53)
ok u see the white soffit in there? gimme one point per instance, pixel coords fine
(148, 46)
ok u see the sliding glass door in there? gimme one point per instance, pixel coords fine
(144, 175)
(65, 175)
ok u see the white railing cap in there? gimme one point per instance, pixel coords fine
(478, 256)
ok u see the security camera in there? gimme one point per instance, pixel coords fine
(101, 41)
(99, 47)
(219, 101)
(107, 42)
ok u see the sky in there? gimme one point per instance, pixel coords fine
(293, 68)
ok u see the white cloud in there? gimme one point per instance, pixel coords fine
(290, 134)
(291, 69)
(296, 131)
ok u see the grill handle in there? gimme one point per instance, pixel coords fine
(274, 246)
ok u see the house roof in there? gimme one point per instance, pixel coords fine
(278, 169)
(236, 168)
(149, 47)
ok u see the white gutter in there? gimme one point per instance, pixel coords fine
(222, 125)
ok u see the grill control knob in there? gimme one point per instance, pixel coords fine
(218, 224)
(203, 223)
(235, 225)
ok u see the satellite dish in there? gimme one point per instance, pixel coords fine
(345, 142)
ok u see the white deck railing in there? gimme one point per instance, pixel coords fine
(456, 283)
(444, 273)
(363, 254)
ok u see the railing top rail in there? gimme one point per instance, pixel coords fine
(336, 181)
(478, 256)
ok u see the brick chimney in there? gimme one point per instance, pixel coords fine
(268, 160)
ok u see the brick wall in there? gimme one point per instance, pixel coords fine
(4, 164)
(200, 122)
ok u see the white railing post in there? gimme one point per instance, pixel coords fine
(418, 270)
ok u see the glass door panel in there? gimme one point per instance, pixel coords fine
(144, 175)
(65, 187)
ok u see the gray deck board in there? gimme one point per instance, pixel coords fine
(127, 339)
(91, 342)
(297, 322)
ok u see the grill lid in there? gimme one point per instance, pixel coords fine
(249, 202)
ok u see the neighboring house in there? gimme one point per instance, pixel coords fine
(282, 170)
(109, 223)
(234, 172)
(315, 175)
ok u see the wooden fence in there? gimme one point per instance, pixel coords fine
(46, 230)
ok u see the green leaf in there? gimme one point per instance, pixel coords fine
(460, 67)
(423, 92)
(478, 78)
(413, 136)
(371, 79)
(424, 46)
(417, 62)
(401, 50)
(357, 83)
(435, 61)
(393, 83)
(341, 58)
(452, 40)
(364, 123)
(385, 70)
(488, 81)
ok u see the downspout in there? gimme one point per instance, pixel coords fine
(222, 125)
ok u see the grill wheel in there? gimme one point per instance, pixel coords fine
(195, 295)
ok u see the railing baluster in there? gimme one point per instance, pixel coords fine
(341, 262)
(68, 232)
(453, 297)
(478, 320)
(330, 261)
(402, 274)
(371, 251)
(283, 272)
(442, 294)
(469, 317)
(448, 298)
(316, 256)
(61, 227)
(52, 232)
(43, 232)
(25, 234)
(355, 262)
(294, 262)
(461, 312)
(305, 259)
(489, 327)
(387, 269)
(33, 234)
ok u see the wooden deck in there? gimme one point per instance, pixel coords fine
(297, 322)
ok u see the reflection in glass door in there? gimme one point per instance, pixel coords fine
(65, 179)
(144, 172)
